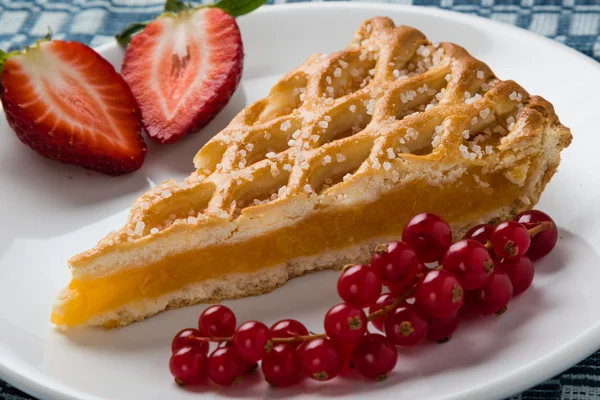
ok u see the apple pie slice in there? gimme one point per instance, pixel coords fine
(333, 161)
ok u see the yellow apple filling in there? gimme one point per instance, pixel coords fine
(464, 200)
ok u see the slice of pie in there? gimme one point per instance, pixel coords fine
(333, 161)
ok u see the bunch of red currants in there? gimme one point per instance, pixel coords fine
(431, 283)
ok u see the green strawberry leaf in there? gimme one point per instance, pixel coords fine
(124, 37)
(175, 6)
(3, 57)
(236, 8)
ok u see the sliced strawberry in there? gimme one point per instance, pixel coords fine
(182, 69)
(69, 104)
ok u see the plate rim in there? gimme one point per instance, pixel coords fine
(552, 364)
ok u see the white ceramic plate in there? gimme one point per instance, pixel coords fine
(50, 211)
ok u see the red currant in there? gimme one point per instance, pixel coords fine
(188, 365)
(225, 366)
(491, 298)
(441, 329)
(402, 288)
(422, 270)
(345, 323)
(250, 367)
(187, 338)
(374, 356)
(320, 360)
(429, 235)
(225, 344)
(359, 285)
(344, 351)
(470, 262)
(251, 339)
(281, 365)
(396, 290)
(405, 327)
(396, 263)
(482, 233)
(473, 305)
(288, 328)
(217, 321)
(510, 239)
(384, 300)
(439, 294)
(520, 271)
(543, 242)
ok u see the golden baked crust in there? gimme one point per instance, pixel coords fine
(392, 112)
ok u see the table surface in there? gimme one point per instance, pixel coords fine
(575, 23)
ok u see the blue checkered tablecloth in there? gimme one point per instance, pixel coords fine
(575, 23)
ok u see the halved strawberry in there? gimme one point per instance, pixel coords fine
(69, 104)
(184, 66)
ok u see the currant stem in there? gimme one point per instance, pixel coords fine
(299, 338)
(214, 339)
(541, 227)
(391, 306)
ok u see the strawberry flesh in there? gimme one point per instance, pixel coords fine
(183, 69)
(69, 104)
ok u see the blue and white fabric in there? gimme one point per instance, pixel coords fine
(573, 22)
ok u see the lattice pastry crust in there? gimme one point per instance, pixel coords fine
(392, 112)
